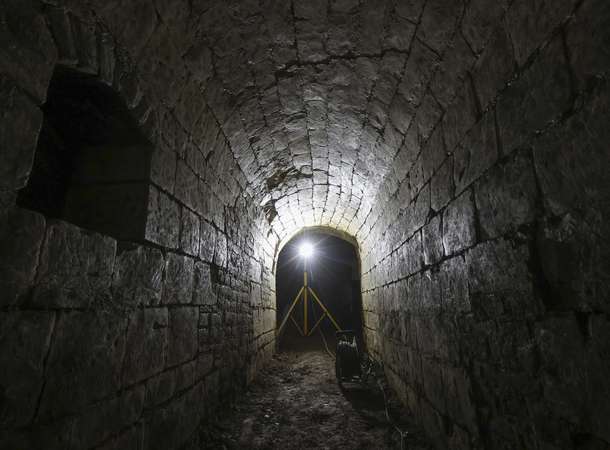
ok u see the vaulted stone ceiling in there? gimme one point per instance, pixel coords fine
(315, 97)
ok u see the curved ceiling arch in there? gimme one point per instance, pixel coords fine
(318, 98)
(319, 229)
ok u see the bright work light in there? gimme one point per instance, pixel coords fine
(306, 250)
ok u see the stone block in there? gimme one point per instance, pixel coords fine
(574, 265)
(138, 276)
(495, 66)
(178, 283)
(432, 235)
(420, 66)
(497, 266)
(530, 23)
(84, 363)
(146, 344)
(418, 211)
(414, 254)
(460, 115)
(480, 20)
(163, 168)
(21, 235)
(183, 342)
(571, 161)
(75, 268)
(131, 438)
(208, 241)
(459, 228)
(539, 96)
(203, 291)
(428, 116)
(61, 28)
(597, 360)
(507, 196)
(160, 388)
(173, 424)
(434, 387)
(85, 34)
(28, 53)
(163, 219)
(477, 153)
(438, 22)
(20, 124)
(24, 340)
(561, 346)
(441, 185)
(105, 419)
(588, 41)
(189, 232)
(433, 152)
(454, 285)
(453, 70)
(187, 186)
(106, 57)
(220, 251)
(401, 113)
(185, 375)
(499, 280)
(8, 200)
(55, 435)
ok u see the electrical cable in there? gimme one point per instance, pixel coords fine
(332, 355)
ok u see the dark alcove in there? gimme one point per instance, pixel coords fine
(92, 163)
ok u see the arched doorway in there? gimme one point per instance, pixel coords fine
(333, 274)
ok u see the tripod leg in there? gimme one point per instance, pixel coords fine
(317, 323)
(294, 303)
(297, 326)
(330, 316)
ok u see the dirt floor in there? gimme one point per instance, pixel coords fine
(296, 403)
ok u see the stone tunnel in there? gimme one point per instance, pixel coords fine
(157, 155)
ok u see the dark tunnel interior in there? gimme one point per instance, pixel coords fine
(333, 272)
(163, 161)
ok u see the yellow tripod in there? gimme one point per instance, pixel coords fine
(305, 331)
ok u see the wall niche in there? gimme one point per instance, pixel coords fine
(92, 162)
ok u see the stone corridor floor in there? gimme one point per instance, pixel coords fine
(296, 403)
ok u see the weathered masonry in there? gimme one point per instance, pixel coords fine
(156, 154)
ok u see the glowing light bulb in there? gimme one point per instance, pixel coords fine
(306, 250)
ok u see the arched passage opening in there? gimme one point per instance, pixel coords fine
(317, 289)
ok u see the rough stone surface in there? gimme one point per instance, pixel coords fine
(178, 282)
(145, 345)
(21, 121)
(75, 268)
(87, 350)
(459, 228)
(21, 235)
(182, 343)
(137, 278)
(506, 197)
(463, 145)
(25, 339)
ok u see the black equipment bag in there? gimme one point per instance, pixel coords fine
(347, 362)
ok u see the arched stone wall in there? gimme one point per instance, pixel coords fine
(463, 144)
(128, 343)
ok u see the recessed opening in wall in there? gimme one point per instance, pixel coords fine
(317, 271)
(92, 163)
